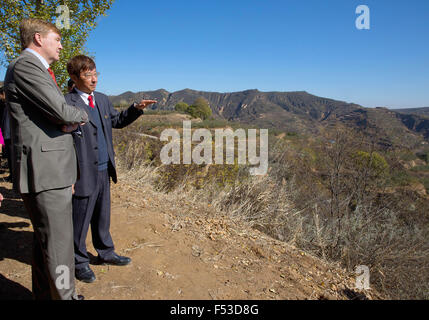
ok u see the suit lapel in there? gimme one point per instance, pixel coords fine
(103, 113)
(78, 101)
(39, 63)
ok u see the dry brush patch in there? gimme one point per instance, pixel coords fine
(327, 197)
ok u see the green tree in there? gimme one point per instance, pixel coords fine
(200, 109)
(372, 162)
(75, 19)
(181, 107)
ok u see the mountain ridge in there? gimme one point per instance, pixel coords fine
(296, 111)
(418, 111)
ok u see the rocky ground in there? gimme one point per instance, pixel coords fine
(179, 251)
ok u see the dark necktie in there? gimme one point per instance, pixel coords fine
(52, 75)
(91, 102)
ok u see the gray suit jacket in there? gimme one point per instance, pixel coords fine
(43, 157)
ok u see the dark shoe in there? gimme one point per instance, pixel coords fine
(85, 274)
(115, 260)
(79, 297)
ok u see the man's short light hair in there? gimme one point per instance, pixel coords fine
(29, 27)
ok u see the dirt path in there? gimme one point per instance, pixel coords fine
(178, 251)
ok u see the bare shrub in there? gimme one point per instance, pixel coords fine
(335, 206)
(332, 196)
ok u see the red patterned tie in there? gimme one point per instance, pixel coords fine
(91, 102)
(52, 75)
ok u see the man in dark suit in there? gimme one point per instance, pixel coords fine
(44, 166)
(94, 147)
(5, 129)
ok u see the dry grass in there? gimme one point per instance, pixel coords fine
(314, 198)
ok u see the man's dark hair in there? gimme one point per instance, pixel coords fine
(78, 64)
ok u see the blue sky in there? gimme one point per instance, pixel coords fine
(270, 45)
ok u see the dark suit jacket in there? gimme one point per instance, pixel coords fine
(85, 138)
(5, 120)
(43, 157)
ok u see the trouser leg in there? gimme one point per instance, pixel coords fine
(83, 208)
(8, 154)
(100, 222)
(39, 271)
(53, 260)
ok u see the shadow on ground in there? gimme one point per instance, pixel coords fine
(10, 290)
(12, 204)
(16, 245)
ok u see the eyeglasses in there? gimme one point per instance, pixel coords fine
(90, 75)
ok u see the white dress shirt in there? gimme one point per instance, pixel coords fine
(85, 96)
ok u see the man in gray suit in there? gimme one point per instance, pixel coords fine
(43, 156)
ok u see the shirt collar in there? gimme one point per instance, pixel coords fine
(85, 96)
(42, 60)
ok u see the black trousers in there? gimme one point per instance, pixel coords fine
(52, 264)
(95, 211)
(7, 151)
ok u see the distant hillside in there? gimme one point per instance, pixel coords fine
(247, 105)
(298, 111)
(418, 111)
